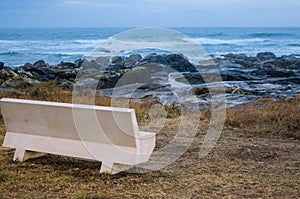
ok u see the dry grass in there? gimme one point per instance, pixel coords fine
(281, 118)
(257, 156)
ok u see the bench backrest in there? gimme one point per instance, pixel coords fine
(107, 125)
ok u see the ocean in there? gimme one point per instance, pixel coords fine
(27, 45)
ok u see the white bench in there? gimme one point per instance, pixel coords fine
(106, 134)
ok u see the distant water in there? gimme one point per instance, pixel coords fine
(23, 45)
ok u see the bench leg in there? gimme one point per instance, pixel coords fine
(106, 167)
(22, 155)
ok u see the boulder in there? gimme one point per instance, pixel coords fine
(108, 82)
(265, 56)
(66, 73)
(116, 59)
(65, 65)
(136, 75)
(154, 58)
(103, 62)
(1, 65)
(19, 82)
(116, 66)
(135, 57)
(179, 63)
(79, 62)
(40, 63)
(4, 73)
(132, 60)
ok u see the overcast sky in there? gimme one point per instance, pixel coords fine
(146, 13)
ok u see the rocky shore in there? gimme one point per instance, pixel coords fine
(155, 76)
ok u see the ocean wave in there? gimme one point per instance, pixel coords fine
(293, 45)
(89, 41)
(268, 35)
(208, 41)
(9, 53)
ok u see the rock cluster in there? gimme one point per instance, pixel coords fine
(242, 74)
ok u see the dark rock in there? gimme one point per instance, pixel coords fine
(191, 79)
(86, 64)
(19, 82)
(179, 63)
(132, 61)
(66, 73)
(136, 75)
(116, 59)
(103, 62)
(1, 65)
(108, 82)
(135, 57)
(67, 85)
(266, 56)
(4, 73)
(40, 63)
(24, 73)
(175, 58)
(87, 82)
(40, 70)
(152, 67)
(65, 65)
(244, 62)
(296, 65)
(199, 91)
(152, 86)
(79, 62)
(228, 64)
(241, 56)
(154, 58)
(129, 64)
(116, 67)
(289, 58)
(280, 73)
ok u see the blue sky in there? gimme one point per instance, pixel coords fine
(145, 13)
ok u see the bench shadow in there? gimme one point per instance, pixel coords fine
(76, 167)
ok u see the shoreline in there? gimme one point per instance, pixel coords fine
(244, 79)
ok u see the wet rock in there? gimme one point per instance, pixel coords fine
(191, 78)
(135, 57)
(116, 67)
(19, 82)
(40, 63)
(136, 75)
(116, 59)
(4, 73)
(1, 65)
(79, 62)
(103, 62)
(132, 61)
(154, 58)
(24, 73)
(152, 86)
(266, 56)
(179, 63)
(280, 73)
(66, 73)
(108, 82)
(65, 65)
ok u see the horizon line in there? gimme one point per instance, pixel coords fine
(134, 27)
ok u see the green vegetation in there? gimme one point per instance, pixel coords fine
(257, 156)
